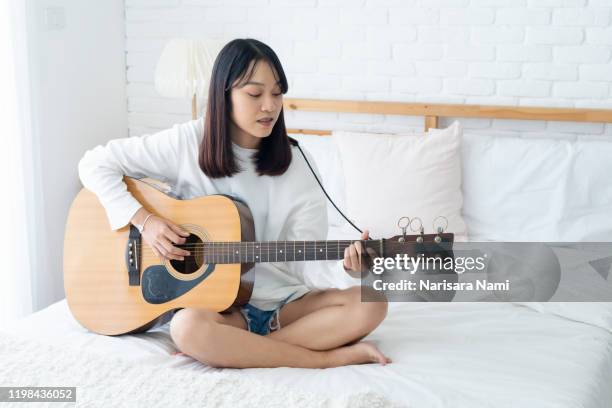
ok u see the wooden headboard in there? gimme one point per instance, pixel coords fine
(432, 112)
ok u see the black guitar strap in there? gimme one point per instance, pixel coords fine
(295, 143)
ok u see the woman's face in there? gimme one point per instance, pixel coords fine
(259, 98)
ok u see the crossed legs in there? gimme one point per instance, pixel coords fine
(321, 329)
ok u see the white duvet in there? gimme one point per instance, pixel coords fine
(445, 355)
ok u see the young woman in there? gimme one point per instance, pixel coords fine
(241, 149)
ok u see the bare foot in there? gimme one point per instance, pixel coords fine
(363, 352)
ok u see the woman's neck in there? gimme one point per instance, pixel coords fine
(247, 144)
(243, 139)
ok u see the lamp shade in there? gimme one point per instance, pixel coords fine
(185, 66)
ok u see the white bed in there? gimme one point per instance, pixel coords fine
(444, 354)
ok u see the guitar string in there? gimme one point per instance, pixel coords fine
(264, 252)
(283, 243)
(223, 255)
(222, 247)
(266, 242)
(309, 248)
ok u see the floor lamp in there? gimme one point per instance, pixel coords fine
(184, 69)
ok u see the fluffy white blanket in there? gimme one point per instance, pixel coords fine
(103, 380)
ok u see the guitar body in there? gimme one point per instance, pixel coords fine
(98, 288)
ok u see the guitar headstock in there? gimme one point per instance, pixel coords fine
(420, 243)
(446, 237)
(412, 259)
(437, 245)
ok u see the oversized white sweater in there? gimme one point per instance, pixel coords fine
(285, 208)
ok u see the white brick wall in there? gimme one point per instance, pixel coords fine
(554, 53)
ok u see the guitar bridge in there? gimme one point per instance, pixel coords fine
(133, 256)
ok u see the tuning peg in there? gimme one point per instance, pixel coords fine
(439, 229)
(420, 229)
(403, 227)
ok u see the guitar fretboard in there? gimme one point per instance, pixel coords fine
(273, 251)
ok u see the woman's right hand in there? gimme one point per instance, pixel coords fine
(161, 235)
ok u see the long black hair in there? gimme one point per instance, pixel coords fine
(216, 157)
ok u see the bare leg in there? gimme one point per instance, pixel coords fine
(324, 320)
(221, 341)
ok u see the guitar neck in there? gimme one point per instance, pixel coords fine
(277, 251)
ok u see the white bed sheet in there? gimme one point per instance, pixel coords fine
(445, 355)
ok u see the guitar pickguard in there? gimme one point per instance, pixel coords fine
(159, 286)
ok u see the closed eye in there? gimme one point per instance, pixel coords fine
(257, 96)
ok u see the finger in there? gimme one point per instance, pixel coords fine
(171, 251)
(173, 235)
(347, 258)
(358, 248)
(179, 230)
(172, 238)
(160, 251)
(354, 259)
(371, 253)
(365, 234)
(155, 251)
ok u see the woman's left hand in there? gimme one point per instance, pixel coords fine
(352, 255)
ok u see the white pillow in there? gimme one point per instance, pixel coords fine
(519, 189)
(391, 176)
(326, 157)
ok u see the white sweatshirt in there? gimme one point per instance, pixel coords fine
(288, 207)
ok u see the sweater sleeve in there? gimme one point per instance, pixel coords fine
(156, 155)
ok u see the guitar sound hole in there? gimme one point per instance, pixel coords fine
(194, 261)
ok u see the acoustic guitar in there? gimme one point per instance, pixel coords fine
(115, 284)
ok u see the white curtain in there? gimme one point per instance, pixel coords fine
(16, 299)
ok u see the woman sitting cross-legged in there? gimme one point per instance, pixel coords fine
(241, 149)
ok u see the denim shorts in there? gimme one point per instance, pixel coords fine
(262, 321)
